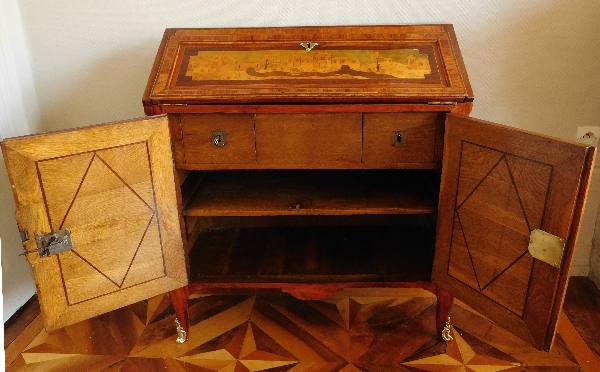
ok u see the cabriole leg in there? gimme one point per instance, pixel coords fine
(442, 319)
(179, 298)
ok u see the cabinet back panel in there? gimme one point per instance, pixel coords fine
(313, 254)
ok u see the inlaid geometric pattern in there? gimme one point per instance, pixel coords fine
(460, 356)
(108, 204)
(500, 199)
(354, 330)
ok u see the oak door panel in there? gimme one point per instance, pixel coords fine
(499, 184)
(112, 186)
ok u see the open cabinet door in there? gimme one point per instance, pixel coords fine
(97, 210)
(498, 185)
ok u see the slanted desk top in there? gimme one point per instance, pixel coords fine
(309, 64)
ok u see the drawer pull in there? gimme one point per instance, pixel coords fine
(399, 138)
(219, 138)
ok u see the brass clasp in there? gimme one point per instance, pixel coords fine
(309, 46)
(546, 247)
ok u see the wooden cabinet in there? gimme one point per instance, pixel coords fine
(305, 160)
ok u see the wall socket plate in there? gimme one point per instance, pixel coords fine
(588, 135)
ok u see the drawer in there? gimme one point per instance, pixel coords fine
(308, 140)
(237, 138)
(391, 138)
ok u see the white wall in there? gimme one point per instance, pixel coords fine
(18, 116)
(533, 64)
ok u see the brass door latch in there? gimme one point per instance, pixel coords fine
(51, 243)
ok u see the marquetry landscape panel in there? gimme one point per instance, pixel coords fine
(354, 330)
(421, 63)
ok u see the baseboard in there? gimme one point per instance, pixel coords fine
(580, 270)
(20, 320)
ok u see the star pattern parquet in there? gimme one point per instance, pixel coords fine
(355, 330)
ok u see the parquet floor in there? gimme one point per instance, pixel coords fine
(355, 330)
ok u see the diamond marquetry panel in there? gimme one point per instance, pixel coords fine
(532, 182)
(112, 185)
(498, 184)
(510, 288)
(500, 199)
(476, 162)
(147, 263)
(62, 178)
(110, 222)
(461, 262)
(130, 163)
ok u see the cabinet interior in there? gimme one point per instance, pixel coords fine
(310, 225)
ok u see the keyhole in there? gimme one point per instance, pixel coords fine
(399, 138)
(217, 139)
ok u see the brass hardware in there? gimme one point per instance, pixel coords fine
(546, 247)
(181, 334)
(446, 336)
(298, 206)
(309, 46)
(219, 138)
(399, 138)
(51, 243)
(24, 235)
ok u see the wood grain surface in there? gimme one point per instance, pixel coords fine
(188, 57)
(313, 254)
(292, 193)
(420, 135)
(368, 329)
(113, 187)
(305, 139)
(498, 184)
(197, 140)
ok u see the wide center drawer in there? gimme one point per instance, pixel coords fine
(299, 140)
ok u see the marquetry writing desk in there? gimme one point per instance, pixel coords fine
(304, 160)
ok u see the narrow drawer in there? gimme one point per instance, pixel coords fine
(391, 138)
(236, 133)
(308, 140)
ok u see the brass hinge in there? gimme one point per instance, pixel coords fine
(24, 236)
(51, 243)
(546, 247)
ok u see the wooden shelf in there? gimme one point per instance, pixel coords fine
(314, 192)
(313, 254)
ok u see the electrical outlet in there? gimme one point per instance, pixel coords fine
(588, 135)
